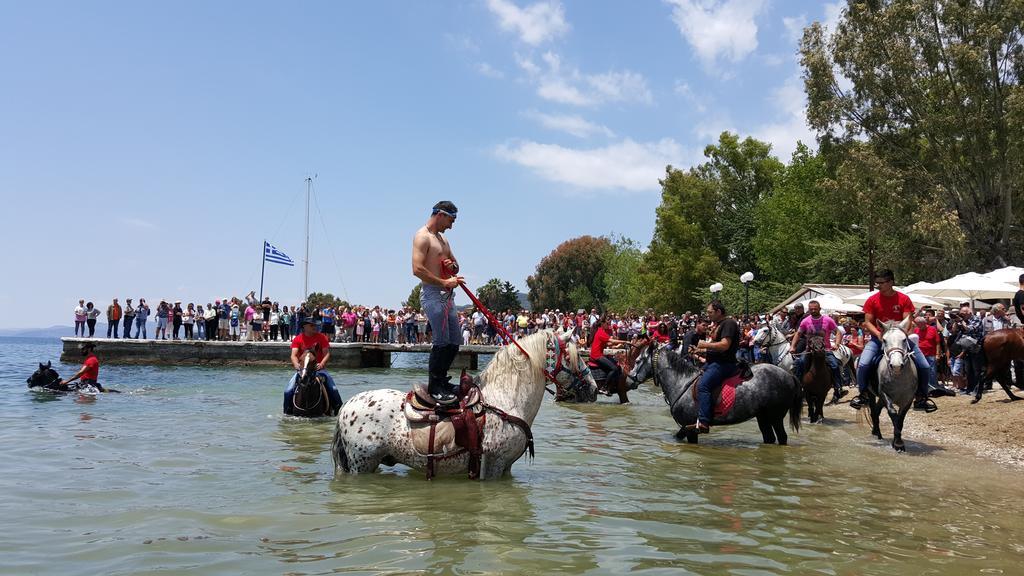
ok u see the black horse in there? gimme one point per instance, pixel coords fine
(46, 378)
(768, 396)
(311, 397)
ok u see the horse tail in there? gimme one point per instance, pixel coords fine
(339, 451)
(798, 404)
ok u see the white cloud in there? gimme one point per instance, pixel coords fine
(572, 124)
(833, 11)
(534, 24)
(697, 102)
(570, 86)
(790, 103)
(794, 27)
(490, 71)
(718, 29)
(626, 165)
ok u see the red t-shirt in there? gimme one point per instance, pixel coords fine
(892, 308)
(92, 368)
(601, 339)
(927, 340)
(658, 336)
(318, 343)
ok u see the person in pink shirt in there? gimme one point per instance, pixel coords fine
(817, 324)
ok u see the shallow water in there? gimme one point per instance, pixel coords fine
(195, 469)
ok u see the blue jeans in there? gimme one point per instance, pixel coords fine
(872, 355)
(933, 375)
(833, 366)
(140, 327)
(439, 306)
(332, 391)
(714, 374)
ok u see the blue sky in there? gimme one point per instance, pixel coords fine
(147, 149)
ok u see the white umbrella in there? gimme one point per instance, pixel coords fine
(832, 303)
(919, 300)
(969, 286)
(1009, 275)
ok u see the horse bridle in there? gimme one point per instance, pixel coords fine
(554, 365)
(772, 333)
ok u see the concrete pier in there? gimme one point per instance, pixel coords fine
(193, 352)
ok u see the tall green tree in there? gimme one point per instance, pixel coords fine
(682, 255)
(413, 301)
(499, 295)
(798, 212)
(742, 173)
(324, 299)
(571, 276)
(623, 285)
(934, 88)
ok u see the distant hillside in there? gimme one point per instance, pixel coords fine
(51, 332)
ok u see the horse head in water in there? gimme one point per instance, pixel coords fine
(311, 398)
(45, 377)
(897, 381)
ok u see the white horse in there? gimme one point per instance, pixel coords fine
(771, 339)
(897, 381)
(373, 428)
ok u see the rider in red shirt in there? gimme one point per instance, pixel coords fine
(309, 339)
(888, 305)
(597, 358)
(90, 370)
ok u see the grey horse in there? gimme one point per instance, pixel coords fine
(768, 396)
(896, 383)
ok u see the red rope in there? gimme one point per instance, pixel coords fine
(498, 326)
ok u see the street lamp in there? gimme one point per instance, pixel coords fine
(746, 278)
(715, 289)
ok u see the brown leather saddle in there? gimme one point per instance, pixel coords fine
(440, 431)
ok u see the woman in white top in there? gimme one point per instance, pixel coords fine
(188, 318)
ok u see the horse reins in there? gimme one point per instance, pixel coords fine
(500, 329)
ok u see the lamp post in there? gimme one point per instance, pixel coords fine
(715, 289)
(871, 255)
(746, 278)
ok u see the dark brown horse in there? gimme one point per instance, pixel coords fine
(1002, 348)
(817, 379)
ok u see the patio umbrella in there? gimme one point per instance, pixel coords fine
(832, 303)
(919, 300)
(1008, 275)
(970, 286)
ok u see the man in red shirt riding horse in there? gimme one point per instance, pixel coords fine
(888, 305)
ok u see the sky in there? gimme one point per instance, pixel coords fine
(148, 149)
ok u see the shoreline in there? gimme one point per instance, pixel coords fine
(991, 429)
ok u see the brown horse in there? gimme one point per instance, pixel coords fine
(817, 378)
(1002, 348)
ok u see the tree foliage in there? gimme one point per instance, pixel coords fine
(623, 285)
(571, 276)
(499, 295)
(324, 299)
(413, 301)
(932, 89)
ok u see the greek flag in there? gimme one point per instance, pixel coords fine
(272, 254)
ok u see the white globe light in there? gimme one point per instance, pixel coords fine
(747, 277)
(716, 287)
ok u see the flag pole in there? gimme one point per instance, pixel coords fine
(263, 267)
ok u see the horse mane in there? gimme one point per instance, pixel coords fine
(509, 362)
(677, 361)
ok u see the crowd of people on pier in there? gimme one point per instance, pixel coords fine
(251, 319)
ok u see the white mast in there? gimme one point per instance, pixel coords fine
(305, 285)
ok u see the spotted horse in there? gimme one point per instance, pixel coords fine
(483, 434)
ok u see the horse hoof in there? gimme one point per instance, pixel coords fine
(975, 400)
(691, 437)
(1015, 398)
(899, 446)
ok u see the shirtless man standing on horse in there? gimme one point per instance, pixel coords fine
(434, 264)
